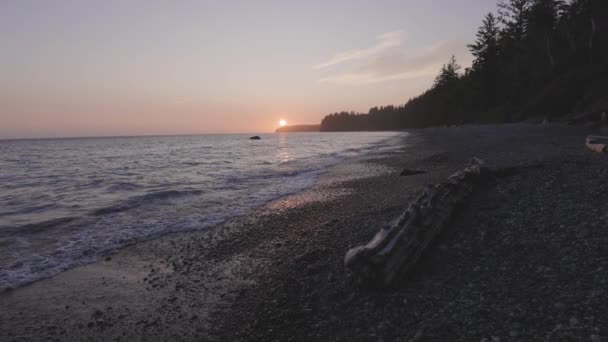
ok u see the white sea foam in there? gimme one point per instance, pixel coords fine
(69, 202)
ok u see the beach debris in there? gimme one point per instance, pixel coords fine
(597, 143)
(255, 137)
(409, 172)
(397, 247)
(588, 118)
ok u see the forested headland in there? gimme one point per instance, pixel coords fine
(532, 59)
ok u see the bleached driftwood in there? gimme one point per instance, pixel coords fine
(398, 246)
(597, 143)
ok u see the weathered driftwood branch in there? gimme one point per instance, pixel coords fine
(597, 143)
(398, 246)
(586, 117)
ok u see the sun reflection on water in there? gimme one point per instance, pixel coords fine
(283, 150)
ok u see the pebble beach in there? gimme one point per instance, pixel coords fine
(524, 260)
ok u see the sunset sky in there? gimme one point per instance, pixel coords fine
(90, 68)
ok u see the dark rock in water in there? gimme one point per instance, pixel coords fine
(255, 137)
(408, 172)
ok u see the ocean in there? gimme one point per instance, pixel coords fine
(68, 202)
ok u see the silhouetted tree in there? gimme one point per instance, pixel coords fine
(535, 58)
(514, 16)
(449, 74)
(542, 21)
(486, 52)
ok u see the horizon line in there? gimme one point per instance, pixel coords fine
(129, 136)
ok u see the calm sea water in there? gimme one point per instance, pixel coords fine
(67, 202)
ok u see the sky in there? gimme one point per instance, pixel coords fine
(139, 67)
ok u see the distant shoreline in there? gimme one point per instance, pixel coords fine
(298, 128)
(130, 136)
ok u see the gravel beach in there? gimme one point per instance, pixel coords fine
(525, 260)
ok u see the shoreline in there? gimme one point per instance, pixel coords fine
(295, 175)
(277, 274)
(126, 277)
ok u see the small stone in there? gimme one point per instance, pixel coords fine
(513, 333)
(595, 338)
(573, 322)
(485, 339)
(559, 306)
(495, 339)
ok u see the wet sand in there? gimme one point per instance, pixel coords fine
(525, 260)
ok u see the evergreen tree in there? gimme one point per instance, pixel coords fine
(536, 58)
(485, 49)
(542, 22)
(514, 16)
(448, 74)
(486, 64)
(588, 19)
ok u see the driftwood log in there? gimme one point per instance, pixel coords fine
(597, 143)
(587, 117)
(397, 247)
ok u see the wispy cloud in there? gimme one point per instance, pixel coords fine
(370, 77)
(389, 60)
(383, 42)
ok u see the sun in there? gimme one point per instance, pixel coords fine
(282, 123)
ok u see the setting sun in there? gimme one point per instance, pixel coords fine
(282, 123)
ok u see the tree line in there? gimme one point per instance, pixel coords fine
(532, 58)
